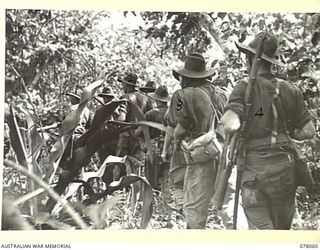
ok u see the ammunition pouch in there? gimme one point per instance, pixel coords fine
(303, 171)
(315, 170)
(202, 149)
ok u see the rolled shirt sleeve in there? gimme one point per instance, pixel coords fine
(302, 114)
(236, 99)
(177, 109)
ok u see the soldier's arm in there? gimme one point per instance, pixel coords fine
(167, 141)
(179, 133)
(230, 121)
(304, 128)
(307, 132)
(236, 99)
(138, 132)
(234, 109)
(150, 116)
(122, 112)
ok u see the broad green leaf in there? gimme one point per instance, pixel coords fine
(67, 127)
(35, 140)
(100, 117)
(147, 195)
(16, 138)
(100, 212)
(101, 170)
(47, 222)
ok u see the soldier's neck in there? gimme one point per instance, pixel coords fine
(263, 70)
(161, 105)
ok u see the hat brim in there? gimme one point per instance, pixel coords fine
(159, 98)
(192, 74)
(74, 95)
(126, 82)
(146, 89)
(246, 49)
(103, 95)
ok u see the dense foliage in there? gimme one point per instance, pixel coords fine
(50, 53)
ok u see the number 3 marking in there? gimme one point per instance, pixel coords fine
(179, 105)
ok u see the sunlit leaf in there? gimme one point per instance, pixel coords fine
(16, 138)
(147, 195)
(99, 213)
(67, 127)
(44, 221)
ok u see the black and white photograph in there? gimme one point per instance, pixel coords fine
(161, 120)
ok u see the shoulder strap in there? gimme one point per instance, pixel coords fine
(214, 110)
(276, 110)
(274, 132)
(156, 109)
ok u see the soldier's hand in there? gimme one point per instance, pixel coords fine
(307, 132)
(230, 121)
(164, 157)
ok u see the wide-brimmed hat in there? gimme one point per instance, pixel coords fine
(74, 95)
(106, 91)
(270, 46)
(160, 94)
(150, 86)
(194, 67)
(130, 79)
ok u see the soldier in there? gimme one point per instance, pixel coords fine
(278, 112)
(128, 144)
(142, 101)
(107, 94)
(83, 125)
(109, 148)
(69, 171)
(157, 115)
(157, 172)
(177, 162)
(191, 113)
(85, 118)
(149, 87)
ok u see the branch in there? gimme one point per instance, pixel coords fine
(213, 35)
(39, 73)
(28, 196)
(52, 126)
(45, 24)
(84, 61)
(69, 210)
(96, 15)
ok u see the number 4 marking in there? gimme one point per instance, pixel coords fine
(259, 113)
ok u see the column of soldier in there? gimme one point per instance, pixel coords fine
(266, 111)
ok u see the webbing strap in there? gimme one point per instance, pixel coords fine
(215, 115)
(274, 132)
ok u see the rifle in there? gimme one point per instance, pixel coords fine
(236, 144)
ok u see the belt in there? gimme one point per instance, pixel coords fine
(265, 142)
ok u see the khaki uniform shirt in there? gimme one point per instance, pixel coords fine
(193, 108)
